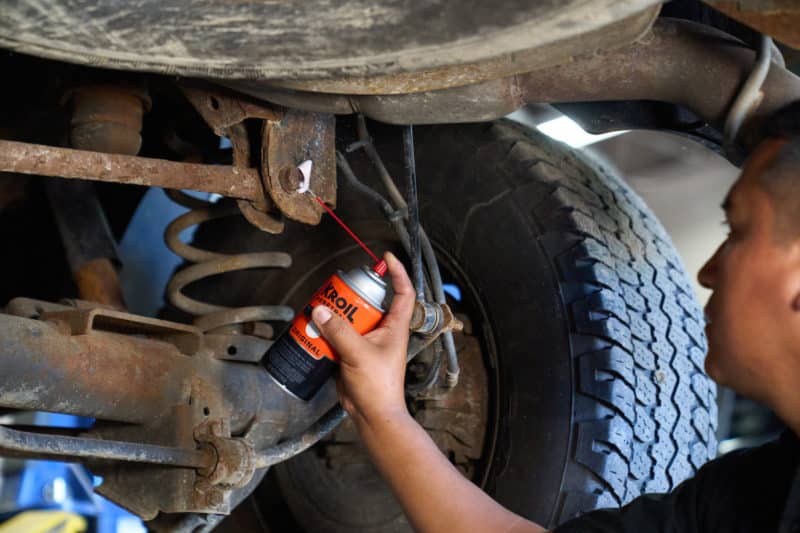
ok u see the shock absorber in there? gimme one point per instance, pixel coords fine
(206, 263)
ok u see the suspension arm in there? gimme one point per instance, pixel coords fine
(71, 448)
(188, 409)
(24, 158)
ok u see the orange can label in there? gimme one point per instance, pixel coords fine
(345, 302)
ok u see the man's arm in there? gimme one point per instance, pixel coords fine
(434, 495)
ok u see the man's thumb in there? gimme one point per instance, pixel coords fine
(336, 331)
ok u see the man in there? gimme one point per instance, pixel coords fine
(754, 347)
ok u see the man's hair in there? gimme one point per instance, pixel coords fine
(781, 177)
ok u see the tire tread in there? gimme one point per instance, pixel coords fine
(639, 345)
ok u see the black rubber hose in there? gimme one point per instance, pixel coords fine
(413, 211)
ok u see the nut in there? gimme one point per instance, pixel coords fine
(290, 179)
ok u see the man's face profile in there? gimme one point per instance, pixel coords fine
(753, 314)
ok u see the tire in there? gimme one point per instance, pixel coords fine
(599, 343)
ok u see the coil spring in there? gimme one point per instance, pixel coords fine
(206, 263)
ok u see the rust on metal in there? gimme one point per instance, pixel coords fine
(135, 371)
(264, 221)
(98, 281)
(777, 18)
(443, 319)
(101, 375)
(187, 339)
(53, 161)
(221, 109)
(71, 447)
(297, 137)
(148, 490)
(225, 114)
(108, 118)
(235, 462)
(613, 35)
(458, 419)
(678, 61)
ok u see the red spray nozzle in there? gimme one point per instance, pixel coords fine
(380, 268)
(380, 265)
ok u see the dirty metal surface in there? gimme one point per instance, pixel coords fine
(52, 161)
(275, 39)
(187, 339)
(297, 137)
(457, 419)
(107, 118)
(152, 386)
(89, 245)
(616, 34)
(222, 265)
(98, 281)
(81, 222)
(433, 319)
(102, 375)
(225, 114)
(65, 447)
(147, 490)
(779, 19)
(235, 463)
(221, 110)
(678, 61)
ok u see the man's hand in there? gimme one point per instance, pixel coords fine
(434, 495)
(373, 366)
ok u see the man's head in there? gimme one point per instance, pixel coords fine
(754, 311)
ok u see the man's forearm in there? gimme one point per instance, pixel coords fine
(434, 494)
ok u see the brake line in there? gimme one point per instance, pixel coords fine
(429, 255)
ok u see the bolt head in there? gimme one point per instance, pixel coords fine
(290, 179)
(215, 498)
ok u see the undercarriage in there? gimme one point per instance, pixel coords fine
(186, 421)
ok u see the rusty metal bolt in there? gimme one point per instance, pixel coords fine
(426, 319)
(215, 498)
(200, 499)
(235, 460)
(433, 319)
(290, 179)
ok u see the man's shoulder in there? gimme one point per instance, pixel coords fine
(741, 487)
(779, 453)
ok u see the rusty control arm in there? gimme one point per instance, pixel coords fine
(235, 182)
(169, 401)
(64, 447)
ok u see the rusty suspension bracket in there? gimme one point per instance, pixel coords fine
(288, 137)
(105, 136)
(178, 413)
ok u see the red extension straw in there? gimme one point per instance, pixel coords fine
(380, 265)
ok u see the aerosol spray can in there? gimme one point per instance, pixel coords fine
(301, 360)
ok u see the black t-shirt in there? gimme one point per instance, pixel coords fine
(746, 491)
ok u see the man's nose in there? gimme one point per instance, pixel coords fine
(708, 274)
